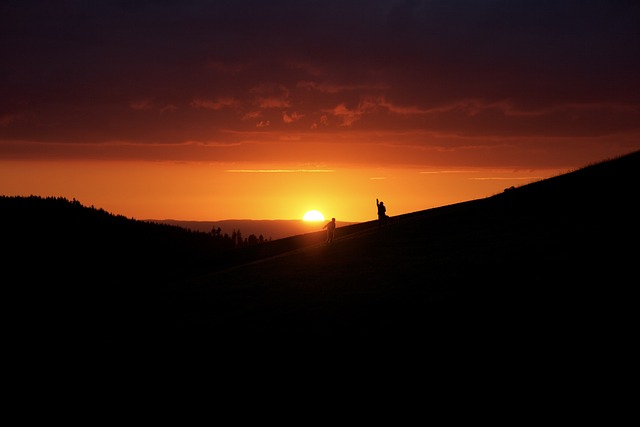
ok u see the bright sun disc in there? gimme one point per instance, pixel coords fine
(313, 215)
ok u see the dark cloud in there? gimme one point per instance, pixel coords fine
(174, 71)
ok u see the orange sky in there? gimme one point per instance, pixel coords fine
(263, 110)
(210, 191)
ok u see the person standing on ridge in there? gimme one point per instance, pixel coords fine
(382, 213)
(331, 228)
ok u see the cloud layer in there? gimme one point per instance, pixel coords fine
(248, 78)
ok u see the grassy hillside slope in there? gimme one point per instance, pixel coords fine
(552, 261)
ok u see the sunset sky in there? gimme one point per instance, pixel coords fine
(212, 110)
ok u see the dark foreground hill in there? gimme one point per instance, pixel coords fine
(551, 262)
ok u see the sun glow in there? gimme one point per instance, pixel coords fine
(313, 215)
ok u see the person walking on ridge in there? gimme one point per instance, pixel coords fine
(331, 228)
(382, 214)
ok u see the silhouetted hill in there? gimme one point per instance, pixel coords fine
(547, 261)
(550, 263)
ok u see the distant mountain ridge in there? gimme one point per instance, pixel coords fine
(269, 229)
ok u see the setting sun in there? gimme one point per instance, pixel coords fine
(313, 215)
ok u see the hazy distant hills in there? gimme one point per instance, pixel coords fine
(539, 269)
(269, 229)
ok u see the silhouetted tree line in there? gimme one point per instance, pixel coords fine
(56, 233)
(236, 240)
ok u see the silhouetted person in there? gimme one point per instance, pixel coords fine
(382, 214)
(331, 228)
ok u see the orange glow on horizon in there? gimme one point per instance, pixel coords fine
(209, 192)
